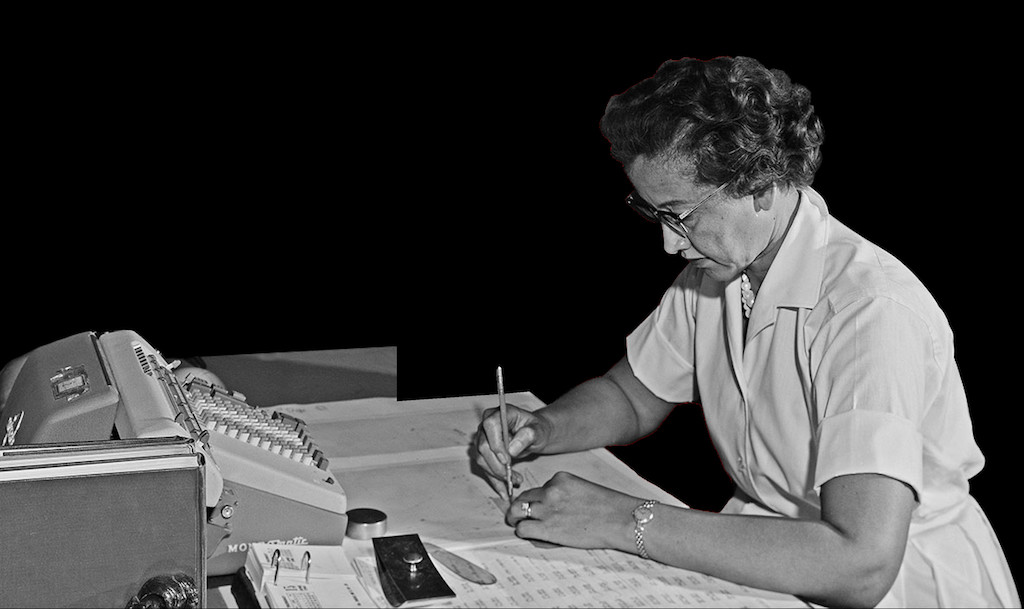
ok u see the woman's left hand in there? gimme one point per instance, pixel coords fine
(571, 511)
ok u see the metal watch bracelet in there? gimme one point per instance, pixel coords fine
(641, 516)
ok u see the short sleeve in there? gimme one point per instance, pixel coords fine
(874, 359)
(660, 350)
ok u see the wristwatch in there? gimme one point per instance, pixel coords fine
(641, 516)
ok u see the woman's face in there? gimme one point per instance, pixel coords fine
(724, 234)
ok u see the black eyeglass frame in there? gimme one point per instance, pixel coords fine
(670, 219)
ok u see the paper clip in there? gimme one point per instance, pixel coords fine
(275, 562)
(307, 562)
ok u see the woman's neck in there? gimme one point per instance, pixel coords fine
(786, 203)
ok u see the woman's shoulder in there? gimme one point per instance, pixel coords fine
(858, 271)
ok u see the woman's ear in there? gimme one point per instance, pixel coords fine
(765, 200)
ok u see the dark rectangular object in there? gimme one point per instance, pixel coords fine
(89, 524)
(406, 572)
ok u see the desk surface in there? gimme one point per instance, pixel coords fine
(411, 460)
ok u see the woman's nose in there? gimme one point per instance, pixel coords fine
(673, 241)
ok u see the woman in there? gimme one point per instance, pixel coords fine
(824, 367)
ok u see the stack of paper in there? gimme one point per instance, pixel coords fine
(303, 576)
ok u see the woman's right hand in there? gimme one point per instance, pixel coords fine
(527, 434)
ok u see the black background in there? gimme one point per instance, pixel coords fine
(279, 187)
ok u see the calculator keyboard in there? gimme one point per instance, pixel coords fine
(277, 478)
(227, 413)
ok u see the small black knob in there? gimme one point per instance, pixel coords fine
(413, 560)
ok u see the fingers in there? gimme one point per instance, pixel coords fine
(529, 505)
(541, 502)
(526, 514)
(521, 433)
(521, 440)
(491, 455)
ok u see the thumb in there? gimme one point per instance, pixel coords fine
(522, 440)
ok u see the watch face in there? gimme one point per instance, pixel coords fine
(643, 514)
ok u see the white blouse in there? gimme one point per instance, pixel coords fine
(847, 367)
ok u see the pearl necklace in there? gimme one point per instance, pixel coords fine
(746, 294)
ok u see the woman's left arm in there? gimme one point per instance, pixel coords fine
(850, 557)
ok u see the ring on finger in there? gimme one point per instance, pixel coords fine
(527, 509)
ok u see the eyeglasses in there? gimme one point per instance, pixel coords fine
(672, 220)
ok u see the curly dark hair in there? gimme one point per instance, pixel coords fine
(737, 120)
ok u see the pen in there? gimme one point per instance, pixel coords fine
(503, 412)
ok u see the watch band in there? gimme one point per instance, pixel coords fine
(638, 529)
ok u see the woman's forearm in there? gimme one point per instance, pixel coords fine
(609, 410)
(594, 414)
(807, 558)
(851, 556)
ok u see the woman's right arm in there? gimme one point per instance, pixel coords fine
(612, 409)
